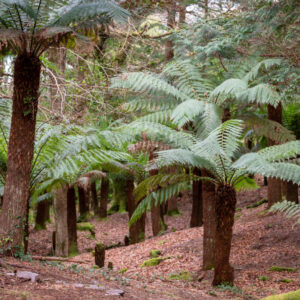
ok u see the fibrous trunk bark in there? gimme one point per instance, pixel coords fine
(83, 196)
(27, 71)
(209, 221)
(95, 198)
(42, 214)
(274, 184)
(60, 207)
(136, 230)
(71, 221)
(292, 192)
(197, 208)
(103, 197)
(225, 209)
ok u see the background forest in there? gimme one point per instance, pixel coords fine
(148, 143)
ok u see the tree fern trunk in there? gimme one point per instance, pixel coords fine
(136, 230)
(95, 198)
(274, 184)
(27, 71)
(292, 192)
(83, 203)
(225, 209)
(60, 206)
(158, 224)
(209, 222)
(103, 197)
(197, 208)
(42, 214)
(72, 221)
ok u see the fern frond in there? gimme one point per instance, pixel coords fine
(230, 88)
(154, 198)
(183, 158)
(281, 152)
(148, 83)
(155, 182)
(262, 93)
(261, 67)
(187, 111)
(290, 209)
(267, 128)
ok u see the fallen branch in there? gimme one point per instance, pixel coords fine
(53, 258)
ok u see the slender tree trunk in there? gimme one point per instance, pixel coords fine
(274, 184)
(136, 230)
(197, 208)
(60, 206)
(292, 192)
(72, 221)
(27, 71)
(58, 56)
(42, 214)
(209, 221)
(182, 15)
(169, 46)
(95, 198)
(225, 209)
(104, 197)
(83, 203)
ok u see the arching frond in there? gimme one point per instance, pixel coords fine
(160, 196)
(262, 93)
(230, 88)
(181, 157)
(262, 66)
(267, 128)
(148, 83)
(282, 152)
(289, 209)
(187, 111)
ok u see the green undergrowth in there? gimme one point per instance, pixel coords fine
(282, 269)
(258, 203)
(287, 296)
(183, 275)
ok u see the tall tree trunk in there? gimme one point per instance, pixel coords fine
(197, 208)
(209, 221)
(171, 22)
(274, 184)
(95, 198)
(104, 197)
(136, 230)
(71, 221)
(27, 71)
(225, 209)
(182, 15)
(60, 206)
(42, 214)
(83, 203)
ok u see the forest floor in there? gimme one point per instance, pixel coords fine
(260, 240)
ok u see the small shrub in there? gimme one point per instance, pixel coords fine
(155, 253)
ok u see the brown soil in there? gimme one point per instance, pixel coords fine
(260, 240)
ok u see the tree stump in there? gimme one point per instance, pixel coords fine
(100, 255)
